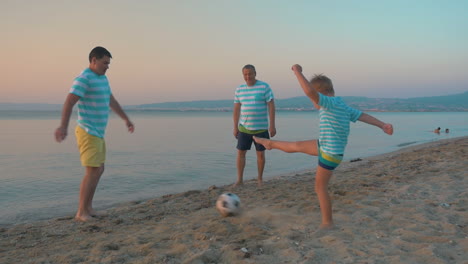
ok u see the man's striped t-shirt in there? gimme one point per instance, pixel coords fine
(93, 107)
(253, 100)
(335, 116)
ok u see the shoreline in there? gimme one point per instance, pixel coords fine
(304, 168)
(297, 172)
(406, 206)
(345, 164)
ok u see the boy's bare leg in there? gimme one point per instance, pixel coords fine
(321, 188)
(260, 166)
(87, 190)
(240, 166)
(307, 146)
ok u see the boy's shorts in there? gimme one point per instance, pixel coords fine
(328, 161)
(92, 148)
(244, 140)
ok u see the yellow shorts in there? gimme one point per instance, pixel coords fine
(92, 148)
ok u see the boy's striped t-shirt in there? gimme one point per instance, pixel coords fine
(253, 100)
(93, 107)
(335, 117)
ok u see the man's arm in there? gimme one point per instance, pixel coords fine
(387, 128)
(306, 85)
(62, 131)
(235, 118)
(115, 106)
(271, 113)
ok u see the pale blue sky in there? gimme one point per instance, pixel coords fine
(194, 50)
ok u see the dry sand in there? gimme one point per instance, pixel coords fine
(403, 207)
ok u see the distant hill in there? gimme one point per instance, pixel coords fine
(456, 102)
(213, 104)
(447, 103)
(29, 107)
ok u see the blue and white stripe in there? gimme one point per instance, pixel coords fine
(253, 100)
(93, 107)
(335, 116)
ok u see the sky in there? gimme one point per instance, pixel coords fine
(195, 50)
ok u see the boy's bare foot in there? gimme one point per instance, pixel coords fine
(83, 218)
(327, 226)
(323, 230)
(263, 141)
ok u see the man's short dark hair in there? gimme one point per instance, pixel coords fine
(250, 67)
(99, 53)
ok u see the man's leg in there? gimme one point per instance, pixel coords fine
(321, 188)
(92, 156)
(87, 190)
(307, 147)
(91, 211)
(260, 166)
(240, 166)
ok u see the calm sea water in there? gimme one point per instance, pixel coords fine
(169, 152)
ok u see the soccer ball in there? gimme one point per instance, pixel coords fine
(228, 204)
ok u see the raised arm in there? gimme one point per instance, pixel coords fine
(271, 113)
(235, 118)
(306, 85)
(62, 131)
(115, 106)
(368, 119)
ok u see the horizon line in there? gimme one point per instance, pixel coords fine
(233, 99)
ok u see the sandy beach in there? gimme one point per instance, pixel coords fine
(408, 206)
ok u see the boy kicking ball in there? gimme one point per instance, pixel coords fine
(335, 117)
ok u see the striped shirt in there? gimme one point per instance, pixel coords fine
(93, 107)
(335, 116)
(253, 100)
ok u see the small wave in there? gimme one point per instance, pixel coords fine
(406, 144)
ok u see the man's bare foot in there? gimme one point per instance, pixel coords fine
(238, 184)
(94, 213)
(83, 218)
(263, 141)
(259, 183)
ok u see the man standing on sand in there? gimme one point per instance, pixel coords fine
(252, 100)
(92, 92)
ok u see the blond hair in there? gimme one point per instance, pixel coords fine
(325, 85)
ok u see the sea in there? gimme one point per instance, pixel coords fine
(170, 152)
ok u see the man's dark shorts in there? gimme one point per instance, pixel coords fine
(244, 140)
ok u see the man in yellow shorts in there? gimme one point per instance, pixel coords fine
(92, 92)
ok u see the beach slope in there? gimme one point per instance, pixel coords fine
(408, 206)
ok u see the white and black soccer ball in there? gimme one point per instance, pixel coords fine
(228, 204)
